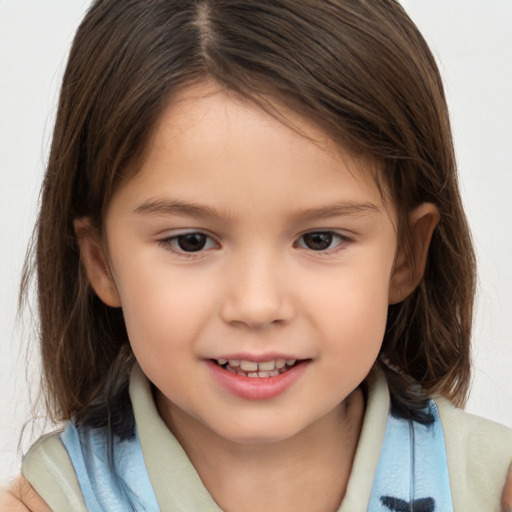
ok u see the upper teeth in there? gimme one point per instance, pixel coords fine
(252, 366)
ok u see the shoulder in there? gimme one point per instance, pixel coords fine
(473, 433)
(479, 454)
(21, 497)
(48, 469)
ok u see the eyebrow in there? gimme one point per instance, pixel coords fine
(340, 209)
(183, 208)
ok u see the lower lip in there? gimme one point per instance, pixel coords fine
(257, 388)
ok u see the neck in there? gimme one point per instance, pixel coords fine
(307, 472)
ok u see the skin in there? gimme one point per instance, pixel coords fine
(218, 166)
(257, 288)
(21, 497)
(506, 500)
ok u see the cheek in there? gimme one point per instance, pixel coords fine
(354, 311)
(359, 318)
(163, 312)
(356, 331)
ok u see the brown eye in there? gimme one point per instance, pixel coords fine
(318, 241)
(191, 242)
(323, 241)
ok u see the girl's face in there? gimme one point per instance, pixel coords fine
(239, 247)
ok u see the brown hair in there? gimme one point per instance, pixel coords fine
(359, 68)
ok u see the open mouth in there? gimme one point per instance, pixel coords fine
(253, 369)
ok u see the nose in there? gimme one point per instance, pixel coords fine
(257, 294)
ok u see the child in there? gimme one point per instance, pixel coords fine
(255, 275)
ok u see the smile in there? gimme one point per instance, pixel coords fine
(263, 369)
(257, 380)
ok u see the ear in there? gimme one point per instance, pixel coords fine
(408, 272)
(95, 262)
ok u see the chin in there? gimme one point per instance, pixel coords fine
(260, 433)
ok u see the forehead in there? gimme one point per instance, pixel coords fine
(211, 140)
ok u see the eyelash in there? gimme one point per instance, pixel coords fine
(172, 243)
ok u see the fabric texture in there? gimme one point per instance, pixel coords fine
(129, 487)
(478, 455)
(412, 474)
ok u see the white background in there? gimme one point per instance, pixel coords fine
(473, 43)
